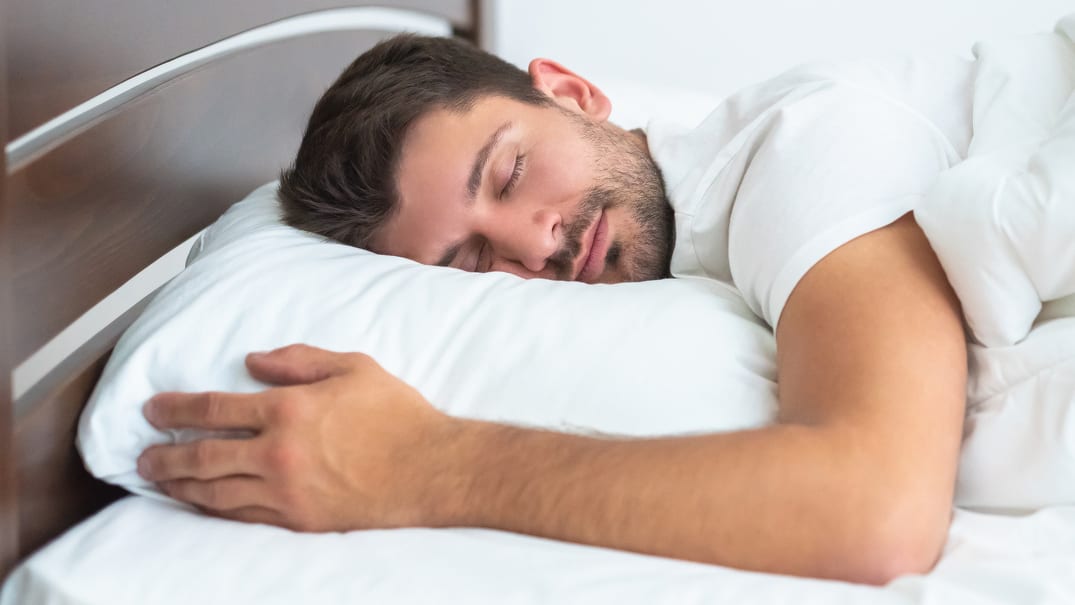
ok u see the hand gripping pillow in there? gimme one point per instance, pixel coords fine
(651, 358)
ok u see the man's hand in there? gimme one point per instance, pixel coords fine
(341, 444)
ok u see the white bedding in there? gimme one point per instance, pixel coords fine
(1017, 473)
(142, 551)
(1003, 225)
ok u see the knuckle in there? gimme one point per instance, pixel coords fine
(289, 408)
(282, 459)
(202, 454)
(297, 347)
(363, 364)
(362, 359)
(212, 406)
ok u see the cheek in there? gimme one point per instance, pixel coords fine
(561, 171)
(622, 225)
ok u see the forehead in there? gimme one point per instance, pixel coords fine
(442, 136)
(436, 157)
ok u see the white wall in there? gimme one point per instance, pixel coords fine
(719, 47)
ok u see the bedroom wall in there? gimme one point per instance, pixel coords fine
(718, 47)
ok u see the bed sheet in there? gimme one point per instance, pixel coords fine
(149, 552)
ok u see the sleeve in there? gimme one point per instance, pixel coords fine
(832, 166)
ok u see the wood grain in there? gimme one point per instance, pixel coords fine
(55, 490)
(8, 513)
(91, 213)
(64, 52)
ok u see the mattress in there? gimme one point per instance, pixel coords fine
(145, 551)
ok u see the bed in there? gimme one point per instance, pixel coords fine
(167, 155)
(119, 150)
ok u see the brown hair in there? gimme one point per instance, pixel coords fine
(342, 184)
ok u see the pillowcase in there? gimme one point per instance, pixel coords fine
(651, 358)
(635, 103)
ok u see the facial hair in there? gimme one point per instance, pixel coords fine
(628, 178)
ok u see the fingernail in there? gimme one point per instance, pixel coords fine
(149, 410)
(144, 468)
(259, 353)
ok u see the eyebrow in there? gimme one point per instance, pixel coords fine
(474, 183)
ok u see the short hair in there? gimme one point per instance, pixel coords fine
(342, 184)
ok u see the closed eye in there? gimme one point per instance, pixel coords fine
(517, 171)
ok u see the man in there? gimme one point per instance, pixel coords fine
(432, 150)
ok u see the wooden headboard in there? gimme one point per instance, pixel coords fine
(130, 125)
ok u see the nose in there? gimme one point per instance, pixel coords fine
(526, 237)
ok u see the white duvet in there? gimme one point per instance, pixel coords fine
(1003, 224)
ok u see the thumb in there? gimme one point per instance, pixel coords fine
(296, 364)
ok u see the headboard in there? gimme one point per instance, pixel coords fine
(129, 126)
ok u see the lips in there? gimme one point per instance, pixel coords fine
(593, 256)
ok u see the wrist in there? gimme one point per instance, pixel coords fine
(449, 477)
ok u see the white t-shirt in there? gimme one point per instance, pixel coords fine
(783, 173)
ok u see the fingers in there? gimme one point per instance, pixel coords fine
(212, 410)
(204, 459)
(252, 514)
(222, 496)
(297, 364)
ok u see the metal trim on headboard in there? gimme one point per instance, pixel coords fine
(39, 141)
(52, 133)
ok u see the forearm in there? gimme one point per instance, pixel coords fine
(788, 498)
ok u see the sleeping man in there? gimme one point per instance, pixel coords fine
(435, 151)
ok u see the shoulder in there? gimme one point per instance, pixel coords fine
(812, 99)
(782, 172)
(823, 170)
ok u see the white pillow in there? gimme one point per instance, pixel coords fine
(635, 103)
(651, 358)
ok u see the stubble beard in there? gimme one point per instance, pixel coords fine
(629, 179)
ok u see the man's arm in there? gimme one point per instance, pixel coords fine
(855, 482)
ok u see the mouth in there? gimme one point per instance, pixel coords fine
(592, 259)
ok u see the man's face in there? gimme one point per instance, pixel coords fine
(537, 191)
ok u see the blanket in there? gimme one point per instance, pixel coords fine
(1003, 226)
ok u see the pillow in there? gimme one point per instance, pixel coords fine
(650, 358)
(635, 103)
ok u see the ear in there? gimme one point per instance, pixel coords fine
(569, 89)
